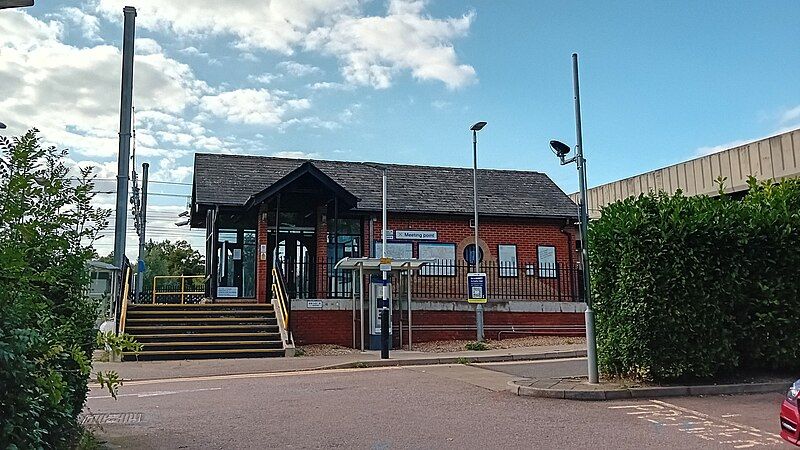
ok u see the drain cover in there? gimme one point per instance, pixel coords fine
(110, 418)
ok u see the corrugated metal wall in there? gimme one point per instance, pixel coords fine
(774, 157)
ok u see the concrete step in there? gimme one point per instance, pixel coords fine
(202, 354)
(196, 336)
(199, 320)
(212, 345)
(158, 329)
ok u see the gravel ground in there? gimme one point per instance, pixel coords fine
(529, 341)
(325, 350)
(450, 346)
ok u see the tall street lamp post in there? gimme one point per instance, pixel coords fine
(384, 302)
(479, 307)
(561, 150)
(385, 278)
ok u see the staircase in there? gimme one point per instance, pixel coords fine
(198, 331)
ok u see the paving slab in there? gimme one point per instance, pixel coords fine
(150, 370)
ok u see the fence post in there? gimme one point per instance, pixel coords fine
(183, 288)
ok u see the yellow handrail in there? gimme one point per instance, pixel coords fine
(183, 292)
(281, 295)
(124, 314)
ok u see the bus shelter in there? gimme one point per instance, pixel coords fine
(370, 267)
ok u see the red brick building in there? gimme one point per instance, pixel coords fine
(303, 216)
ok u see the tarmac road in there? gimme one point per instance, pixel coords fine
(431, 407)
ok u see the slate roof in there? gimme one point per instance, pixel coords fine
(230, 180)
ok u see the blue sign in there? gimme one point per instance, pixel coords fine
(140, 268)
(476, 288)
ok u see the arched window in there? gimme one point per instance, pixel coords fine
(469, 254)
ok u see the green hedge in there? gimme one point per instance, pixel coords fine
(691, 287)
(47, 225)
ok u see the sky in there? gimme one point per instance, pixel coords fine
(398, 81)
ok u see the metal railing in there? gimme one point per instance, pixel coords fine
(124, 299)
(280, 294)
(177, 290)
(444, 280)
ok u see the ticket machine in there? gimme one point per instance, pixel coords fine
(375, 295)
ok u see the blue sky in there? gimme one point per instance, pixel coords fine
(403, 81)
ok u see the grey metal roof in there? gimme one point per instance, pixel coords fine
(231, 179)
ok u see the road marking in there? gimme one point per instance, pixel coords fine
(249, 375)
(155, 393)
(698, 424)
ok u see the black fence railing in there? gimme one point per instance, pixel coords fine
(443, 280)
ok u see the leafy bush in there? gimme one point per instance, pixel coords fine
(477, 346)
(694, 286)
(47, 226)
(768, 317)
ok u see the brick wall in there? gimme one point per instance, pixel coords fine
(526, 234)
(322, 327)
(335, 327)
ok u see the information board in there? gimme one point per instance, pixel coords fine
(476, 287)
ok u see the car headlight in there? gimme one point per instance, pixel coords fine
(794, 391)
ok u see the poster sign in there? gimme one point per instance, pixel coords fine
(314, 304)
(415, 235)
(395, 250)
(476, 287)
(547, 261)
(443, 257)
(227, 291)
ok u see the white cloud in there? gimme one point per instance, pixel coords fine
(277, 25)
(440, 104)
(147, 46)
(373, 49)
(704, 151)
(294, 154)
(313, 122)
(327, 85)
(194, 51)
(790, 115)
(72, 94)
(252, 106)
(89, 24)
(298, 69)
(264, 78)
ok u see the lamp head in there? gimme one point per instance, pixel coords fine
(478, 126)
(2, 125)
(559, 148)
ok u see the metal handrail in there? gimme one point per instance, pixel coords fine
(183, 292)
(280, 293)
(124, 314)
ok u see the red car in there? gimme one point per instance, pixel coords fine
(790, 416)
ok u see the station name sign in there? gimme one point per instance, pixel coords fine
(416, 235)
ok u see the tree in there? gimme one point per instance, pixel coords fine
(168, 258)
(47, 226)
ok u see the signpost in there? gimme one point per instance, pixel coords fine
(417, 235)
(476, 287)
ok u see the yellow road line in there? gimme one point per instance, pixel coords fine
(248, 375)
(708, 417)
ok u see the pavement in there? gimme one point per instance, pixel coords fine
(150, 370)
(577, 388)
(453, 406)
